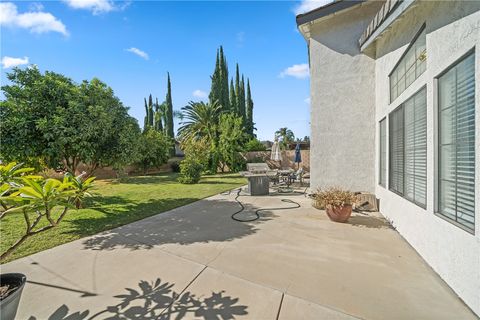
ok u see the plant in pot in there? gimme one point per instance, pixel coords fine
(336, 202)
(43, 203)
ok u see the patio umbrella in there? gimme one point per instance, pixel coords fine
(298, 155)
(276, 154)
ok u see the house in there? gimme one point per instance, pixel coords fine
(395, 93)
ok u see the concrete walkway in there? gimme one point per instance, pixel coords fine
(194, 262)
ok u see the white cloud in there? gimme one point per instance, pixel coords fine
(138, 52)
(10, 62)
(308, 5)
(306, 100)
(97, 6)
(35, 21)
(299, 71)
(199, 94)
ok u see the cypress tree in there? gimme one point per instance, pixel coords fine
(158, 117)
(249, 110)
(237, 91)
(169, 124)
(233, 98)
(150, 111)
(215, 87)
(241, 101)
(145, 120)
(223, 82)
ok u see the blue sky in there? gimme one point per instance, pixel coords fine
(132, 45)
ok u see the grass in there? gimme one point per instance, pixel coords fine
(117, 202)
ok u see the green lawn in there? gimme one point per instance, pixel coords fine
(116, 203)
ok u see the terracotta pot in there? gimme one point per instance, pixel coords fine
(339, 214)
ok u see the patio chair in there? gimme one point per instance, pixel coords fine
(297, 176)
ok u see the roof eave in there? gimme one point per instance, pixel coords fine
(386, 24)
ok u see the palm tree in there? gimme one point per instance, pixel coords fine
(286, 136)
(199, 120)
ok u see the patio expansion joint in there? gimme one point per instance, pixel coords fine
(207, 265)
(184, 289)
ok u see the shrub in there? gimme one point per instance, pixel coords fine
(334, 197)
(255, 145)
(154, 149)
(37, 199)
(190, 171)
(175, 166)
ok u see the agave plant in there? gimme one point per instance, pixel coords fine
(40, 197)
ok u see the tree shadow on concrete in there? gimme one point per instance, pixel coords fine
(198, 222)
(157, 300)
(369, 221)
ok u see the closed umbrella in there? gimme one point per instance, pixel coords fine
(276, 154)
(298, 155)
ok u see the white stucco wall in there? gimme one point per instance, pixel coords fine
(453, 29)
(342, 102)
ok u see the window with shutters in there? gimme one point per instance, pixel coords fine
(408, 149)
(383, 153)
(412, 64)
(456, 136)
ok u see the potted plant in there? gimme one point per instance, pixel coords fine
(336, 202)
(11, 286)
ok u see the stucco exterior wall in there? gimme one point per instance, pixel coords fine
(342, 102)
(453, 29)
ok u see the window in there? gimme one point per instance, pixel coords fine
(396, 150)
(383, 153)
(456, 136)
(408, 149)
(410, 67)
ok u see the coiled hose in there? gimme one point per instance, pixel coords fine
(257, 212)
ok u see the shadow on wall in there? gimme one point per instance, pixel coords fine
(157, 300)
(199, 222)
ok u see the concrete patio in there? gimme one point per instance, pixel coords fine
(195, 262)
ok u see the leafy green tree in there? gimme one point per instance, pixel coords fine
(286, 136)
(249, 111)
(34, 104)
(108, 135)
(49, 120)
(153, 149)
(255, 145)
(232, 137)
